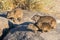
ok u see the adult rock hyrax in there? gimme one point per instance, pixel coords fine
(44, 19)
(15, 15)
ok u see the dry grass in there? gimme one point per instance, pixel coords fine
(46, 6)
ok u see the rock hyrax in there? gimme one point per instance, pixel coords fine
(47, 19)
(15, 15)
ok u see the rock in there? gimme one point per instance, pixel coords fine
(22, 33)
(3, 25)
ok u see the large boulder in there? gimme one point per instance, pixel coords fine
(22, 33)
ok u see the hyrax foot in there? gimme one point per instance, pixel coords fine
(32, 27)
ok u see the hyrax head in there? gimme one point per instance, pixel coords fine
(32, 27)
(46, 27)
(35, 18)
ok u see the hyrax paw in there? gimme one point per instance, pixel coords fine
(32, 27)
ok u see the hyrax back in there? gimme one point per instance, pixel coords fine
(32, 27)
(15, 14)
(47, 19)
(46, 27)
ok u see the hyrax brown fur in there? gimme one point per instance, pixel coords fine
(32, 27)
(46, 27)
(44, 19)
(15, 15)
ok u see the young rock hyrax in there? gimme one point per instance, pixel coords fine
(16, 15)
(44, 19)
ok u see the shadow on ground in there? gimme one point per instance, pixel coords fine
(6, 30)
(21, 27)
(3, 15)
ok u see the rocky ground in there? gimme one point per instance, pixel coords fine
(20, 31)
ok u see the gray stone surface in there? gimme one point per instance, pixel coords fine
(22, 33)
(3, 25)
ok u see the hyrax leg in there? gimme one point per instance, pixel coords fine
(53, 24)
(32, 27)
(46, 27)
(38, 25)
